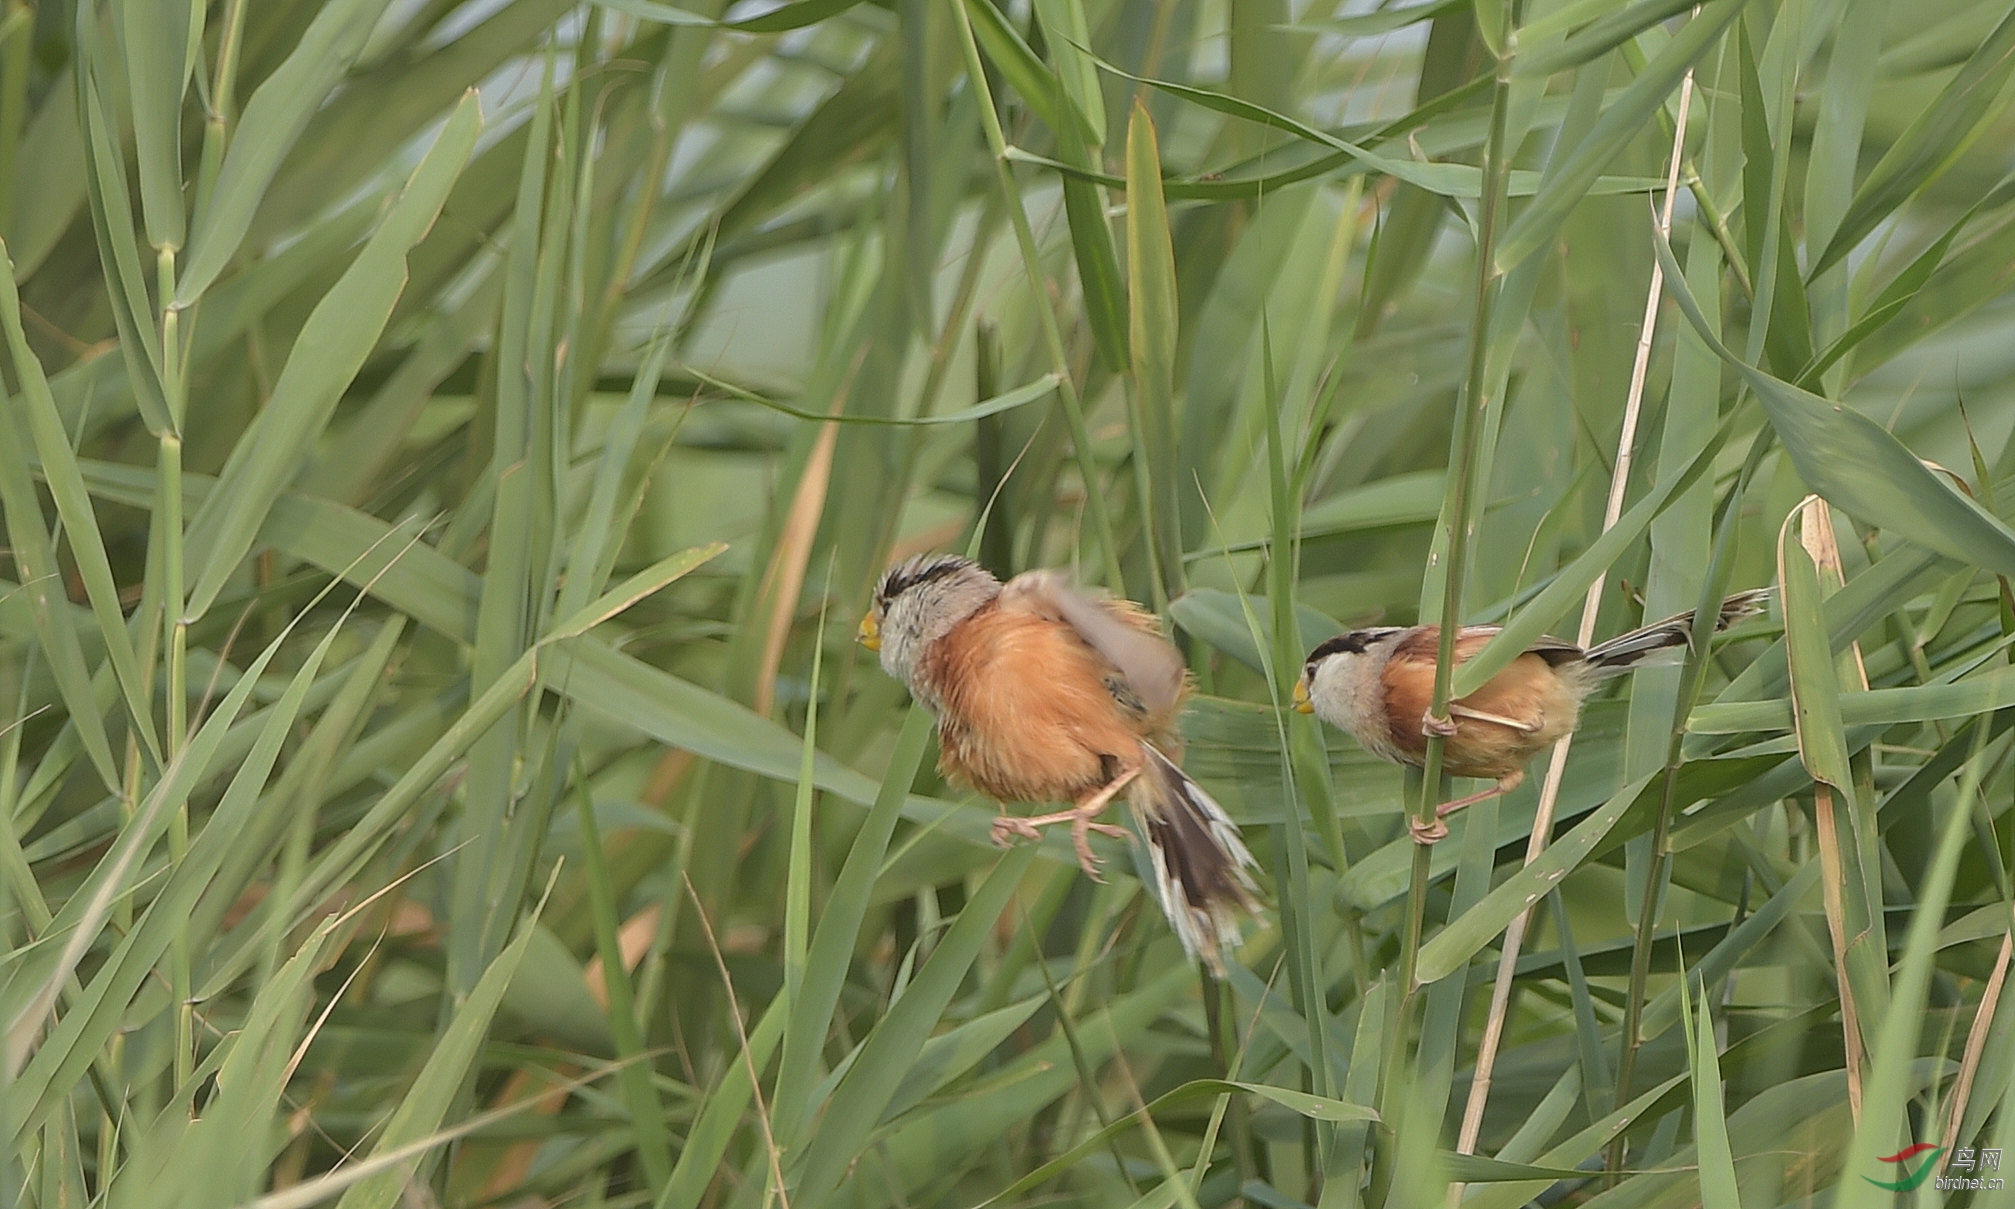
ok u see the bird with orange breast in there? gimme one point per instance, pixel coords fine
(1044, 694)
(1378, 685)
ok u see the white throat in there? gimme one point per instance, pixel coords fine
(923, 614)
(1348, 692)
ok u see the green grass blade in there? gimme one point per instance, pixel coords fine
(832, 942)
(274, 118)
(1597, 38)
(1021, 69)
(720, 1112)
(78, 923)
(798, 875)
(73, 508)
(112, 223)
(1989, 690)
(1448, 180)
(1622, 122)
(1915, 279)
(1724, 958)
(332, 346)
(1930, 144)
(1105, 290)
(507, 609)
(598, 531)
(1883, 1128)
(1571, 582)
(211, 1157)
(92, 1017)
(1717, 1160)
(1152, 313)
(1020, 396)
(1066, 35)
(1815, 687)
(15, 28)
(871, 1083)
(156, 39)
(956, 1051)
(440, 1080)
(647, 1112)
(616, 600)
(1858, 466)
(41, 595)
(1845, 97)
(1450, 949)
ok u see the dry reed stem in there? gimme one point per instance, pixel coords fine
(1549, 793)
(1976, 1042)
(784, 579)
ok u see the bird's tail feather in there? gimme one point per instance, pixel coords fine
(1628, 651)
(1199, 860)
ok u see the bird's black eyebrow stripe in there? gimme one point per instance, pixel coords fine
(902, 579)
(1353, 643)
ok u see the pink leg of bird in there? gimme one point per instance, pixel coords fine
(1080, 819)
(1436, 831)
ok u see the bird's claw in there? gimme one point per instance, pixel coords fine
(1436, 728)
(1428, 833)
(1007, 826)
(1080, 840)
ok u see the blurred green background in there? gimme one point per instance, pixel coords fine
(447, 445)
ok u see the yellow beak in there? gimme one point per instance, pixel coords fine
(1302, 705)
(870, 633)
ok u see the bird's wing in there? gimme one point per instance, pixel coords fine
(1555, 651)
(1423, 644)
(1123, 634)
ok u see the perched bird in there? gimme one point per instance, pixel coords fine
(1043, 694)
(1378, 684)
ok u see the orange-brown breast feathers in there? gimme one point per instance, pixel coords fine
(1530, 705)
(1027, 714)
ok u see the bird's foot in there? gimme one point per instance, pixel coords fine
(1007, 827)
(1436, 728)
(1080, 819)
(1432, 832)
(1080, 840)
